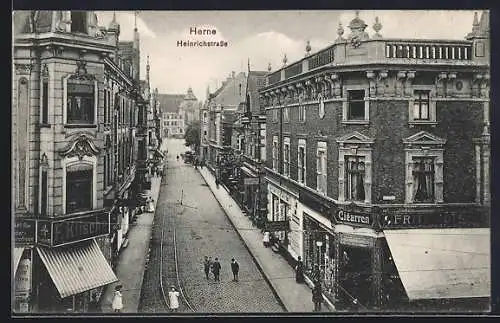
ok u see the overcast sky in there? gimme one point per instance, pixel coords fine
(261, 36)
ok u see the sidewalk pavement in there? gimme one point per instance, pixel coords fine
(131, 276)
(295, 297)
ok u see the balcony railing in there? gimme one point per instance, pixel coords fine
(322, 58)
(293, 70)
(275, 77)
(380, 51)
(428, 51)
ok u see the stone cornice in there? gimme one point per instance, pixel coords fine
(383, 65)
(62, 40)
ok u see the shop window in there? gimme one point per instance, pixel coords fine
(423, 180)
(275, 208)
(275, 153)
(79, 188)
(80, 101)
(355, 108)
(301, 162)
(355, 276)
(78, 22)
(321, 168)
(355, 183)
(286, 157)
(424, 168)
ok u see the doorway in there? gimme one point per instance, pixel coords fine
(355, 276)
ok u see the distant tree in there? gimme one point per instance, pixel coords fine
(192, 135)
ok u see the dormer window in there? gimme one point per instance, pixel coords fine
(78, 22)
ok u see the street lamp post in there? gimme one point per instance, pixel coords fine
(319, 244)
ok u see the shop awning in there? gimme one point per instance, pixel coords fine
(17, 253)
(77, 268)
(442, 263)
(248, 171)
(159, 153)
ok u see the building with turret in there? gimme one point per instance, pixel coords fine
(77, 111)
(178, 111)
(378, 168)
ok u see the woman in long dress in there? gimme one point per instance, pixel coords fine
(117, 304)
(173, 296)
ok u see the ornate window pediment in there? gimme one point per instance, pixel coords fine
(355, 167)
(81, 72)
(82, 146)
(355, 138)
(424, 138)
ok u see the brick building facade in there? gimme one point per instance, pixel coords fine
(373, 143)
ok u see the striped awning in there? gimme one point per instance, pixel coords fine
(77, 268)
(16, 255)
(248, 171)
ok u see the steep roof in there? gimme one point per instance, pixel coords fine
(170, 102)
(229, 95)
(256, 81)
(190, 95)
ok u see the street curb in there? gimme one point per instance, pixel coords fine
(132, 225)
(150, 235)
(255, 260)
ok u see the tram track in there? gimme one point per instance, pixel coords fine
(162, 267)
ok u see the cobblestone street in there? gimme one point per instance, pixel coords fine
(202, 229)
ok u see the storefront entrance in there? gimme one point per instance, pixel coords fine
(355, 277)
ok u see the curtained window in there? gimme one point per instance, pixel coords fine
(301, 162)
(423, 179)
(355, 187)
(421, 105)
(321, 171)
(286, 157)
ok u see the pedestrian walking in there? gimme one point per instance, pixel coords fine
(299, 271)
(317, 297)
(94, 304)
(216, 269)
(173, 297)
(235, 268)
(206, 265)
(117, 304)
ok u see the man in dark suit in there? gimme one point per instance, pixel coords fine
(235, 268)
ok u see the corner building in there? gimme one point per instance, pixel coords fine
(378, 159)
(74, 151)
